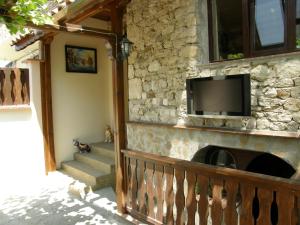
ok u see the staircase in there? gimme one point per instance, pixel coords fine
(96, 169)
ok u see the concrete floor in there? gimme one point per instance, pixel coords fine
(47, 201)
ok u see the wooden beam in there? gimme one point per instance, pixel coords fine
(119, 114)
(80, 10)
(47, 116)
(74, 29)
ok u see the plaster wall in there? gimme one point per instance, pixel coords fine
(82, 103)
(22, 147)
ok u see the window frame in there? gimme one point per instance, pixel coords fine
(248, 31)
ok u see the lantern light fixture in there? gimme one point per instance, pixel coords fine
(126, 46)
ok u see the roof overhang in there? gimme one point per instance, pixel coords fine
(66, 11)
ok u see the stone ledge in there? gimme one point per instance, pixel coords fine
(220, 117)
(262, 133)
(258, 59)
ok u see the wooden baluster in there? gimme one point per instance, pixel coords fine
(25, 86)
(7, 88)
(230, 212)
(133, 184)
(265, 197)
(247, 195)
(216, 209)
(159, 173)
(150, 189)
(142, 188)
(296, 211)
(285, 204)
(130, 183)
(191, 203)
(179, 198)
(17, 86)
(169, 194)
(2, 77)
(203, 202)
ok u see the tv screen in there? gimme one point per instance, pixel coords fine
(220, 95)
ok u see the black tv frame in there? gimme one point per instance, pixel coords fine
(246, 94)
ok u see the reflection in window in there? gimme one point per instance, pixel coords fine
(227, 29)
(269, 21)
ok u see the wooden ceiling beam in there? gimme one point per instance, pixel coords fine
(74, 29)
(77, 12)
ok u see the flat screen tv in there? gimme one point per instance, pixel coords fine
(219, 95)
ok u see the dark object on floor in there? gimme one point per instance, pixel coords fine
(81, 146)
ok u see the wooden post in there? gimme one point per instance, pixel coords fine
(47, 117)
(119, 114)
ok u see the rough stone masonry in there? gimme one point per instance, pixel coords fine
(171, 44)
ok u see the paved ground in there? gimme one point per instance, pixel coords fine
(47, 201)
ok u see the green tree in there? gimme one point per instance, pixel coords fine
(16, 13)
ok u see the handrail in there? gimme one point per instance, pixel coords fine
(199, 192)
(260, 179)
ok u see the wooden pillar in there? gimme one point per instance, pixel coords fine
(47, 116)
(119, 109)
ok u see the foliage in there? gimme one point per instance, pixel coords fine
(235, 56)
(298, 42)
(16, 13)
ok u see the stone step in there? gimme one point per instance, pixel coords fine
(95, 178)
(105, 149)
(96, 161)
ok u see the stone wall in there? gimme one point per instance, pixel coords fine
(171, 44)
(184, 143)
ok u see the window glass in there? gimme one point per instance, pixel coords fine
(269, 23)
(227, 29)
(298, 24)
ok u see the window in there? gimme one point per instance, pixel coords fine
(249, 28)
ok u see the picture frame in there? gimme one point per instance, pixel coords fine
(80, 59)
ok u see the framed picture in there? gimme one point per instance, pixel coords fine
(80, 59)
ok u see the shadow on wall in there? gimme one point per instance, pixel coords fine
(256, 162)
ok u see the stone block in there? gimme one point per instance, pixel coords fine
(189, 51)
(295, 92)
(135, 88)
(278, 126)
(214, 122)
(270, 92)
(286, 82)
(154, 66)
(260, 73)
(151, 116)
(296, 117)
(292, 126)
(284, 93)
(262, 124)
(292, 104)
(297, 81)
(279, 117)
(130, 72)
(165, 102)
(157, 101)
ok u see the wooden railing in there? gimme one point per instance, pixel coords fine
(163, 190)
(14, 87)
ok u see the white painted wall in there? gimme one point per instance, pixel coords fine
(21, 138)
(82, 103)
